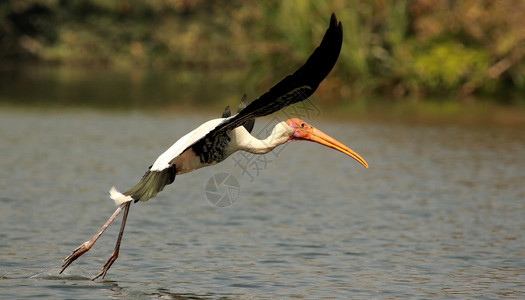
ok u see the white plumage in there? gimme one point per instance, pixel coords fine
(215, 140)
(118, 197)
(163, 161)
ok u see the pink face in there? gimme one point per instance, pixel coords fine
(302, 129)
(305, 132)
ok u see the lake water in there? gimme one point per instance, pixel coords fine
(439, 214)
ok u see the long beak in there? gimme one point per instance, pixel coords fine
(320, 137)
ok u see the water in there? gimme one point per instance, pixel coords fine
(131, 89)
(439, 214)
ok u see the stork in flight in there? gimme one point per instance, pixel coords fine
(215, 140)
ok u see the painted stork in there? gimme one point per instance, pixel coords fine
(215, 140)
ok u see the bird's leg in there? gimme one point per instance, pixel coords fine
(114, 255)
(88, 244)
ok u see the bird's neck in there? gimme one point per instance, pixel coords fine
(280, 135)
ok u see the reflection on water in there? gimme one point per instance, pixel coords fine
(132, 89)
(440, 213)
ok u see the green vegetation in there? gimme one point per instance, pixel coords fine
(403, 49)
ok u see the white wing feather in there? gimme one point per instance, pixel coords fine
(163, 161)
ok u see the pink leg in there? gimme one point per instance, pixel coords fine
(88, 244)
(114, 255)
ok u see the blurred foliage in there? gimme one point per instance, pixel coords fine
(403, 48)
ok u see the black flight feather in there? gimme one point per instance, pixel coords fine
(227, 112)
(242, 105)
(293, 88)
(250, 123)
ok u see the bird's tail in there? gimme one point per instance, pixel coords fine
(118, 197)
(151, 183)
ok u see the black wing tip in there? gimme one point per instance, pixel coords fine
(335, 29)
(336, 25)
(324, 57)
(333, 20)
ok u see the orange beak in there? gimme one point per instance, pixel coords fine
(309, 133)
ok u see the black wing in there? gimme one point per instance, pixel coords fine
(293, 88)
(297, 86)
(242, 105)
(250, 123)
(226, 113)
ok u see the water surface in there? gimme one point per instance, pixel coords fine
(439, 214)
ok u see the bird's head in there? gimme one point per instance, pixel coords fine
(305, 132)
